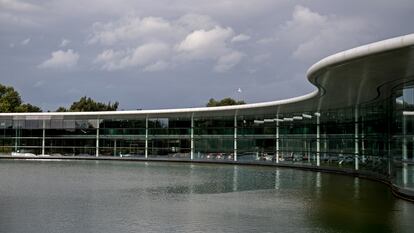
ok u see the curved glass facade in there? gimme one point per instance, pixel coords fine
(356, 126)
(366, 138)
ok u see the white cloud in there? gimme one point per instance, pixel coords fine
(18, 13)
(108, 55)
(25, 42)
(147, 53)
(157, 66)
(128, 28)
(61, 59)
(146, 56)
(193, 22)
(312, 35)
(132, 28)
(218, 9)
(240, 38)
(202, 43)
(266, 41)
(213, 45)
(16, 5)
(303, 25)
(303, 16)
(110, 59)
(192, 36)
(227, 61)
(231, 8)
(64, 42)
(10, 19)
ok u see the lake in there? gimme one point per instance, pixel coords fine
(118, 196)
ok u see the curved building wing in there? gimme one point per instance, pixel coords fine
(359, 120)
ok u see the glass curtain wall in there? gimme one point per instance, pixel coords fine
(70, 137)
(169, 137)
(214, 138)
(375, 138)
(22, 136)
(122, 137)
(403, 137)
(256, 138)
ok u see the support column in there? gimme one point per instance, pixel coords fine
(115, 148)
(97, 138)
(146, 137)
(277, 139)
(404, 139)
(235, 137)
(356, 140)
(15, 139)
(192, 137)
(362, 142)
(404, 150)
(306, 154)
(318, 141)
(325, 145)
(43, 136)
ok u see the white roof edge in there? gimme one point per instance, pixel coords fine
(361, 51)
(178, 110)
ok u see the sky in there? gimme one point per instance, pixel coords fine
(149, 54)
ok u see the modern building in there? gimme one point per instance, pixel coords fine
(360, 120)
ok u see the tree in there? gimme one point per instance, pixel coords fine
(224, 102)
(61, 109)
(86, 104)
(27, 108)
(10, 101)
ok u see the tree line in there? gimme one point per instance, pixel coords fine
(87, 104)
(224, 102)
(11, 101)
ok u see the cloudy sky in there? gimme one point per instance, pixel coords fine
(179, 53)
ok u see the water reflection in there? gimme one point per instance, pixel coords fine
(356, 206)
(277, 179)
(318, 184)
(84, 196)
(235, 175)
(356, 187)
(404, 174)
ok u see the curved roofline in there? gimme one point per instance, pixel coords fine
(173, 110)
(351, 54)
(361, 51)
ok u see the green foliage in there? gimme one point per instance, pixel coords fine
(224, 102)
(10, 101)
(28, 108)
(61, 109)
(86, 104)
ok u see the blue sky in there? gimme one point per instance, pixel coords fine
(179, 53)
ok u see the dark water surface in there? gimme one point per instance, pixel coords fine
(104, 196)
